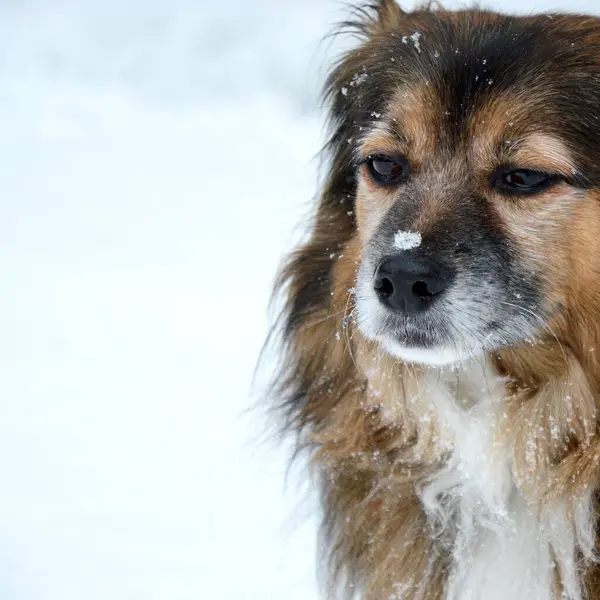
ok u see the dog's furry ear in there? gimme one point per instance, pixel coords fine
(375, 17)
(389, 15)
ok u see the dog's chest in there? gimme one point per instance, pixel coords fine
(499, 546)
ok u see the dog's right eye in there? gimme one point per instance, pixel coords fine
(522, 181)
(387, 170)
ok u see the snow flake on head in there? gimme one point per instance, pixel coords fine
(414, 38)
(356, 80)
(359, 78)
(407, 240)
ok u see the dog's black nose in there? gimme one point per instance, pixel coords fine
(408, 283)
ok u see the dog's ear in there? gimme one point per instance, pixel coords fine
(369, 19)
(389, 15)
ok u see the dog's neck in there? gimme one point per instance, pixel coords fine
(502, 464)
(482, 505)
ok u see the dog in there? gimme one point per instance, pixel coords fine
(441, 324)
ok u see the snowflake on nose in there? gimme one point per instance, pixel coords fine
(406, 240)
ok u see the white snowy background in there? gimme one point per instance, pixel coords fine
(155, 158)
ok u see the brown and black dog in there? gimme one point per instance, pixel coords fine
(442, 322)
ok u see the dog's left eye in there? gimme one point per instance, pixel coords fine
(387, 170)
(522, 181)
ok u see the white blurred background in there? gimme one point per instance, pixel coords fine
(155, 158)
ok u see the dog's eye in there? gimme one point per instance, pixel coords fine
(525, 180)
(522, 181)
(387, 170)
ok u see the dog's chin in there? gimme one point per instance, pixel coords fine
(426, 339)
(433, 355)
(410, 341)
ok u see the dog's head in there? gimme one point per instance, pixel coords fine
(469, 145)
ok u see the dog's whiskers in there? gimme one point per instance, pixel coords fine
(321, 320)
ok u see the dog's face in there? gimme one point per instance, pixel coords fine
(476, 149)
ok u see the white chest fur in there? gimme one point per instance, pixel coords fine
(501, 547)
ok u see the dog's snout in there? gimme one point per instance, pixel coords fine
(408, 283)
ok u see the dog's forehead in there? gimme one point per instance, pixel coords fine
(470, 54)
(416, 124)
(483, 84)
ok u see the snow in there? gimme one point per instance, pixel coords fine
(407, 240)
(415, 39)
(155, 159)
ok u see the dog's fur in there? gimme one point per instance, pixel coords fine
(457, 452)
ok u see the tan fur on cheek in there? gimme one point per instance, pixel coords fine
(372, 204)
(536, 226)
(583, 240)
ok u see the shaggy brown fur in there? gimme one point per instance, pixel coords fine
(363, 414)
